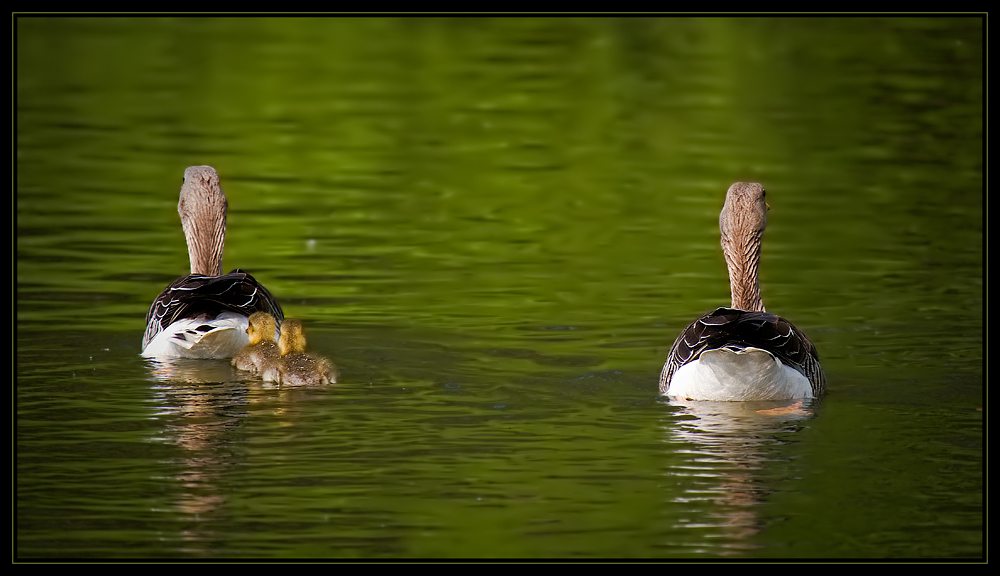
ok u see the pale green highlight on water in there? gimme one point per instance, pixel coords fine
(496, 227)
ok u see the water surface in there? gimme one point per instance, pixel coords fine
(496, 228)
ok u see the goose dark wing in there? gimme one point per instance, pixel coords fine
(197, 295)
(729, 327)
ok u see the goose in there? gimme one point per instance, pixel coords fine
(262, 348)
(295, 367)
(205, 313)
(742, 353)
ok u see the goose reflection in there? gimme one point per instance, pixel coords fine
(729, 454)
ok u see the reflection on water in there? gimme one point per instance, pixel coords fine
(726, 446)
(191, 371)
(200, 420)
(203, 407)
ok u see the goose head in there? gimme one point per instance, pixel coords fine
(742, 222)
(203, 209)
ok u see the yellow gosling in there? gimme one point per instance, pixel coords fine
(295, 367)
(262, 349)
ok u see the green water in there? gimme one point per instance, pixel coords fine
(496, 227)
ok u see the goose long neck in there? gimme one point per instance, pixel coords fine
(742, 222)
(205, 240)
(203, 208)
(743, 257)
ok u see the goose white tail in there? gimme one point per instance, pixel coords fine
(738, 374)
(222, 337)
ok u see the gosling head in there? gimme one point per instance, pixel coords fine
(261, 327)
(292, 339)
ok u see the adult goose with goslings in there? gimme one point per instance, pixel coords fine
(742, 352)
(205, 313)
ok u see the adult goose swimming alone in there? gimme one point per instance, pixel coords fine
(204, 314)
(742, 353)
